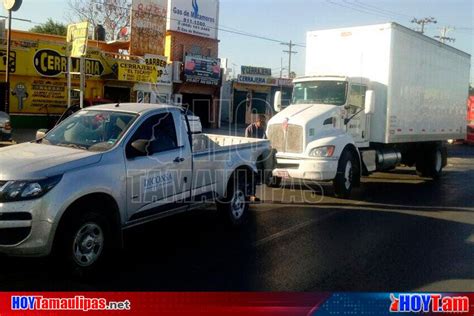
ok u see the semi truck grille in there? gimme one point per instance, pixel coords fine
(289, 141)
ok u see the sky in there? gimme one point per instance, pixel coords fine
(285, 20)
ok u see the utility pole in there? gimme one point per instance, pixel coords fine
(290, 53)
(281, 67)
(422, 22)
(443, 38)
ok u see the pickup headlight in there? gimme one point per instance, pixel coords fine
(324, 151)
(27, 190)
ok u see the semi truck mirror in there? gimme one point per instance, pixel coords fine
(369, 102)
(277, 102)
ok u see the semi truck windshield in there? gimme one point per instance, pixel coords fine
(326, 92)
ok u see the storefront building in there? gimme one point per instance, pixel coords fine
(253, 94)
(38, 80)
(192, 46)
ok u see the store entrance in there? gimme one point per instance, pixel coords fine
(117, 94)
(201, 105)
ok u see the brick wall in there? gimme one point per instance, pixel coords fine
(177, 44)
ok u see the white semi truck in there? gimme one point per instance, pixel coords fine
(373, 97)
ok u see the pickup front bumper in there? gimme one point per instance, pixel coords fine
(22, 231)
(306, 168)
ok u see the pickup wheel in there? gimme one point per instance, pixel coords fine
(346, 173)
(233, 208)
(84, 242)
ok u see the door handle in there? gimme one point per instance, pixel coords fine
(178, 160)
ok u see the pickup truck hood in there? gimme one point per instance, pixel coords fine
(34, 161)
(301, 114)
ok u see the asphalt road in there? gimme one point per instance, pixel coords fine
(398, 233)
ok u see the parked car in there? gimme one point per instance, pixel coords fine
(5, 128)
(108, 168)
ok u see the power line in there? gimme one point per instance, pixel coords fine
(355, 8)
(360, 3)
(225, 29)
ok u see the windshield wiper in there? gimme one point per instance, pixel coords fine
(71, 146)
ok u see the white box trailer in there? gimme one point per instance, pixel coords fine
(373, 97)
(421, 85)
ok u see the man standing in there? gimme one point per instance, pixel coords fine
(257, 129)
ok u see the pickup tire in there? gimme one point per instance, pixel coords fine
(233, 208)
(84, 242)
(430, 162)
(346, 175)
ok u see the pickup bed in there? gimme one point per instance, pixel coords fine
(111, 167)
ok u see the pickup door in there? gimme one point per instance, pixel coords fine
(159, 180)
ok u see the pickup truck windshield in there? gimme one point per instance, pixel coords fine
(92, 130)
(326, 92)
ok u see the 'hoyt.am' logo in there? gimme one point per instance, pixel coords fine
(434, 303)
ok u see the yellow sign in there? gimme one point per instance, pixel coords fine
(49, 60)
(43, 95)
(128, 71)
(77, 35)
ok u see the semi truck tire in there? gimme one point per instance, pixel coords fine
(430, 162)
(233, 208)
(346, 175)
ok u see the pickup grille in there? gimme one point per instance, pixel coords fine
(289, 141)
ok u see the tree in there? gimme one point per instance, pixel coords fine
(50, 27)
(471, 90)
(113, 15)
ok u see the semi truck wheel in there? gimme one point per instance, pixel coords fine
(346, 175)
(84, 242)
(233, 207)
(430, 162)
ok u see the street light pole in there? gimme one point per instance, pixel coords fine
(10, 5)
(7, 66)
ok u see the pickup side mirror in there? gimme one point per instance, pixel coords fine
(41, 133)
(369, 102)
(277, 102)
(140, 146)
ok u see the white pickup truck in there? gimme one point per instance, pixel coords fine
(110, 167)
(373, 97)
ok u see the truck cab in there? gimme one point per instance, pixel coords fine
(328, 115)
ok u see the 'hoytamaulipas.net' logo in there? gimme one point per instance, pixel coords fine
(428, 303)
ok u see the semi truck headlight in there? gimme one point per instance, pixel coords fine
(324, 151)
(27, 190)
